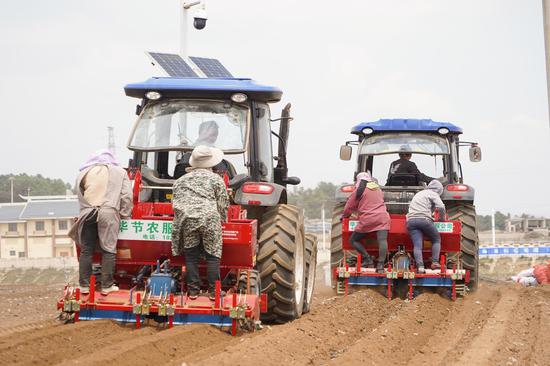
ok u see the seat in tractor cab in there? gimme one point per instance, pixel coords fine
(403, 179)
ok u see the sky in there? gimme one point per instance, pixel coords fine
(476, 63)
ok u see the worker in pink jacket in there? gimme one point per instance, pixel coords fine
(367, 201)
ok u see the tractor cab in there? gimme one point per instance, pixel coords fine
(177, 114)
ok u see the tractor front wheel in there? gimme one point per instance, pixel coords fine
(250, 283)
(311, 269)
(281, 262)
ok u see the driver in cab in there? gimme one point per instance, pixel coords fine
(404, 165)
(208, 134)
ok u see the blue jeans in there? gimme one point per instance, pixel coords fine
(419, 227)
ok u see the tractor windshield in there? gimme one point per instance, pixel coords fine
(388, 143)
(183, 124)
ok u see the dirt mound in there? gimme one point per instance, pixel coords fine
(501, 324)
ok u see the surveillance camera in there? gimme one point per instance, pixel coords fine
(200, 19)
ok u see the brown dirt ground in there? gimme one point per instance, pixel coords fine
(500, 324)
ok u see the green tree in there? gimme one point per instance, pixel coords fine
(312, 199)
(36, 185)
(484, 221)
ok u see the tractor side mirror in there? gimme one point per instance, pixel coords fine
(293, 181)
(475, 153)
(345, 152)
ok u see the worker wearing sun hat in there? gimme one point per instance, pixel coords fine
(200, 204)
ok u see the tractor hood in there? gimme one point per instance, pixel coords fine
(211, 88)
(405, 125)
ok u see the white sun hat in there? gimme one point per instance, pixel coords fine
(205, 157)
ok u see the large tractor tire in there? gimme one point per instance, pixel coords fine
(281, 262)
(311, 270)
(336, 249)
(469, 245)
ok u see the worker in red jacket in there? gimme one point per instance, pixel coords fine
(367, 201)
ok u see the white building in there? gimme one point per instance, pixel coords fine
(38, 228)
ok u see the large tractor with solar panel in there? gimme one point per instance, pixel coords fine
(268, 262)
(435, 146)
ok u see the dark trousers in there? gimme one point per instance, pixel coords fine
(381, 236)
(89, 241)
(192, 258)
(417, 229)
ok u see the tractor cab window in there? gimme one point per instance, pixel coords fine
(430, 153)
(404, 142)
(183, 124)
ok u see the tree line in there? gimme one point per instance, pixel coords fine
(35, 185)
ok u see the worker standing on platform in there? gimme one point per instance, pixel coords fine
(420, 222)
(367, 200)
(200, 207)
(105, 196)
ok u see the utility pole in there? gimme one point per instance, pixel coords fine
(323, 221)
(11, 181)
(546, 28)
(111, 143)
(493, 227)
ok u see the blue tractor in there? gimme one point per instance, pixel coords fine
(437, 146)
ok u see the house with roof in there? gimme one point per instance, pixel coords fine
(12, 231)
(38, 228)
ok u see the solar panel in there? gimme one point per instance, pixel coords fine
(211, 67)
(172, 64)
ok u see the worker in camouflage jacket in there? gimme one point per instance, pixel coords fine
(200, 206)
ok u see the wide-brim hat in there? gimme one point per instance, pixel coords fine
(205, 157)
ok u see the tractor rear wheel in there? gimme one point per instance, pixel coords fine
(311, 267)
(281, 262)
(336, 249)
(469, 244)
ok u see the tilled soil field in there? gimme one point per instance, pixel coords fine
(500, 324)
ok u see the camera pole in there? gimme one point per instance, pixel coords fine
(185, 6)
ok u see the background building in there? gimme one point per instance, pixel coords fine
(38, 228)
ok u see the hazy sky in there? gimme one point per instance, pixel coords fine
(479, 64)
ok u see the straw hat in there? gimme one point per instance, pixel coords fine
(205, 157)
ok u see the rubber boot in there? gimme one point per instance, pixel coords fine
(380, 267)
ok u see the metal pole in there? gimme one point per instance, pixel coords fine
(546, 28)
(323, 221)
(183, 30)
(11, 181)
(493, 227)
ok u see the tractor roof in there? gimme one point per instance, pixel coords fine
(408, 125)
(217, 88)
